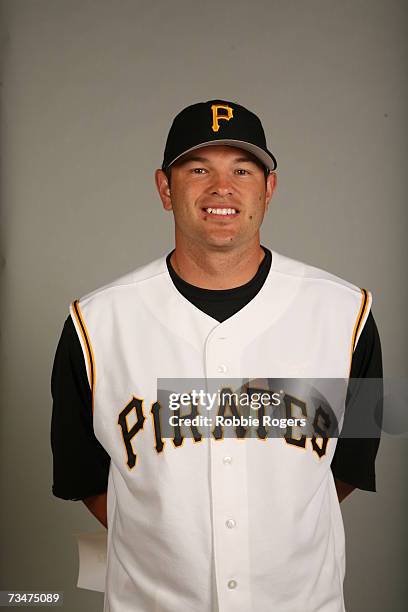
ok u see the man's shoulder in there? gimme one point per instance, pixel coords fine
(134, 278)
(313, 275)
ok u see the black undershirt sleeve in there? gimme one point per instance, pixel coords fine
(354, 458)
(80, 463)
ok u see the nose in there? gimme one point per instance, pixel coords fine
(222, 185)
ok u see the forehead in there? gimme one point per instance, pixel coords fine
(213, 153)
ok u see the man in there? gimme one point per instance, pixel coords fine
(213, 523)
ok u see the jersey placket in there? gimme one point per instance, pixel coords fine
(229, 495)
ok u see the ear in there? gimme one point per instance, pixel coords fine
(163, 189)
(271, 183)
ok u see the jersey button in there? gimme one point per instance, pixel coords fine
(232, 584)
(227, 460)
(222, 368)
(230, 523)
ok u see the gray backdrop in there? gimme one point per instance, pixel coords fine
(89, 89)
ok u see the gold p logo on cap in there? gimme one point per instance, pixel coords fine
(217, 117)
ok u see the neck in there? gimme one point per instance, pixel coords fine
(217, 269)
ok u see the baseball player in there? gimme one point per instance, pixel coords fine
(213, 523)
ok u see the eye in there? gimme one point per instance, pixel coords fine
(242, 171)
(198, 170)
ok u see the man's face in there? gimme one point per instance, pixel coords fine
(218, 196)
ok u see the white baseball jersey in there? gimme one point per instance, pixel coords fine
(219, 525)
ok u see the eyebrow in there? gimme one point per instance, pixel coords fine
(198, 158)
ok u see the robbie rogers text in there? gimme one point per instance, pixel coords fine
(233, 421)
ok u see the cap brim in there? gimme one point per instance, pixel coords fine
(266, 158)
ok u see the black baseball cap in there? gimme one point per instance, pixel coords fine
(216, 122)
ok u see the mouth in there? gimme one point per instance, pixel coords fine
(221, 212)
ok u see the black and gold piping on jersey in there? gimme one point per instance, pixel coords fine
(360, 317)
(88, 346)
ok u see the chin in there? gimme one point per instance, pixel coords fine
(221, 242)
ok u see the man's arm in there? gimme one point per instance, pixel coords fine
(353, 464)
(97, 504)
(343, 489)
(80, 463)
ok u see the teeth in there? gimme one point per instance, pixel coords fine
(221, 211)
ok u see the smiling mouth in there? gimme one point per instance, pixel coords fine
(222, 212)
